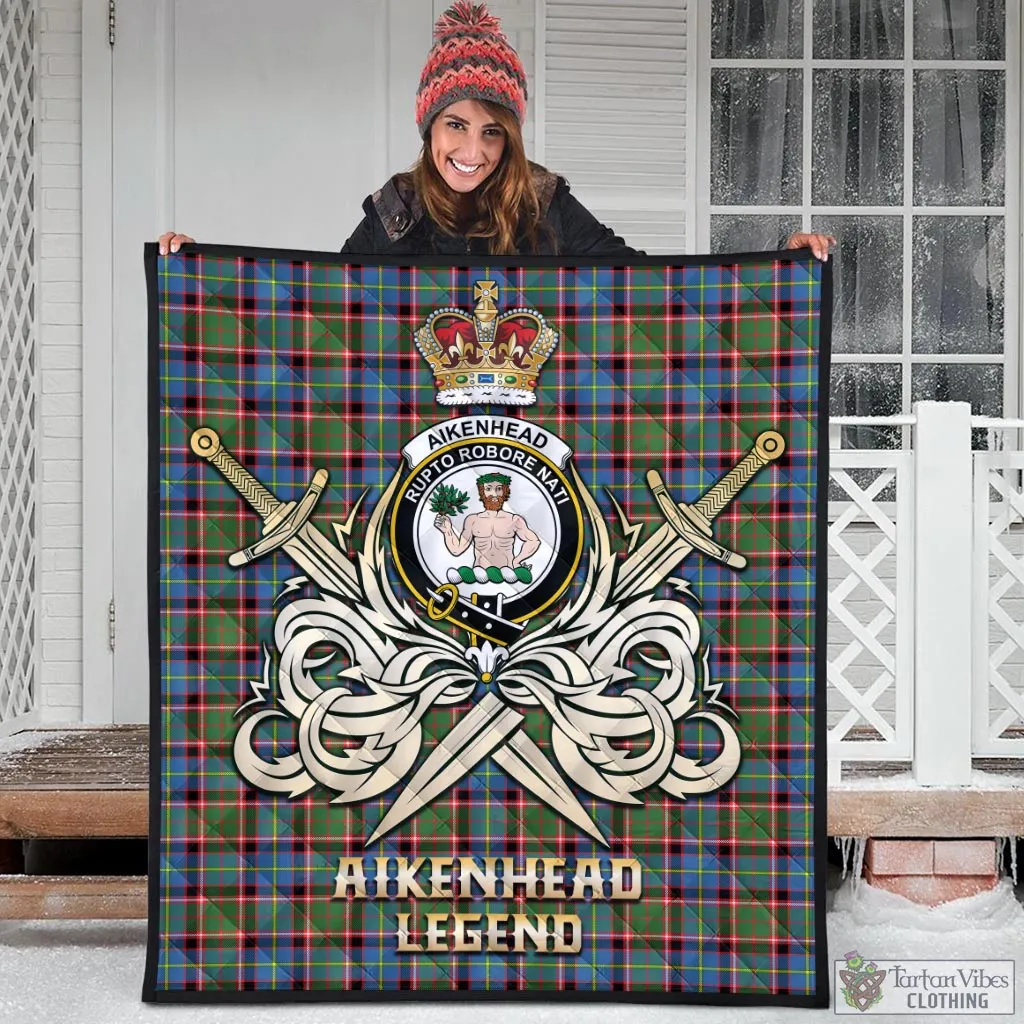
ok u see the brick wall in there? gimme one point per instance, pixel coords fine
(60, 308)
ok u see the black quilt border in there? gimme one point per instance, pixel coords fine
(821, 998)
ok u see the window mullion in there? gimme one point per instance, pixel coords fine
(1013, 288)
(807, 134)
(868, 211)
(908, 208)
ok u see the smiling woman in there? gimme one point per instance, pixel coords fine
(473, 190)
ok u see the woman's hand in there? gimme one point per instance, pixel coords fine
(171, 241)
(819, 244)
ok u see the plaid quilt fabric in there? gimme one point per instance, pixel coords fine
(487, 628)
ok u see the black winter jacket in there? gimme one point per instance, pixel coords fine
(395, 224)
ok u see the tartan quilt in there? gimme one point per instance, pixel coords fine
(487, 627)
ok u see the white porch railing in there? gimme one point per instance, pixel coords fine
(870, 605)
(926, 595)
(998, 626)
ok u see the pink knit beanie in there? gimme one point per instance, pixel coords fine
(471, 59)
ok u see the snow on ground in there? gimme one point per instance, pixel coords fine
(90, 972)
(905, 780)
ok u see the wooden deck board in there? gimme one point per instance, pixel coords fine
(919, 812)
(114, 757)
(73, 814)
(81, 897)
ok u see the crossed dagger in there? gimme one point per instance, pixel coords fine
(491, 727)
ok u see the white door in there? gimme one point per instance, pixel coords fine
(255, 122)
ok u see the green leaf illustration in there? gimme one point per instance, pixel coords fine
(446, 500)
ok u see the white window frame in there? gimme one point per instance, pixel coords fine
(700, 145)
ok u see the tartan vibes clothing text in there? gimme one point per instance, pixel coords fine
(487, 627)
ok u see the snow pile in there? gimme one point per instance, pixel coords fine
(996, 910)
(905, 780)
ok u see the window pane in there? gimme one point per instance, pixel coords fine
(757, 29)
(981, 384)
(958, 284)
(959, 29)
(867, 312)
(751, 233)
(868, 389)
(959, 138)
(858, 29)
(756, 154)
(858, 138)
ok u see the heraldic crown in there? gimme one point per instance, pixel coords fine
(486, 358)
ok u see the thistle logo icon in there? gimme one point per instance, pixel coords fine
(862, 981)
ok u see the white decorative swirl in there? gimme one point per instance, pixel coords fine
(356, 641)
(577, 685)
(612, 736)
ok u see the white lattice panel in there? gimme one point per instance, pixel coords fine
(998, 604)
(870, 604)
(18, 78)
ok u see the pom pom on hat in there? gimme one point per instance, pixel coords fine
(462, 15)
(471, 59)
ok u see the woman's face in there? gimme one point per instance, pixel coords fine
(466, 144)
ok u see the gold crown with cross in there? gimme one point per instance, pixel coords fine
(486, 359)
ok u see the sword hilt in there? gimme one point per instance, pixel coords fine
(206, 444)
(769, 445)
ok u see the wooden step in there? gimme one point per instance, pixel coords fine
(82, 783)
(72, 814)
(914, 811)
(109, 757)
(32, 897)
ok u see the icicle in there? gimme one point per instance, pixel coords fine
(1001, 856)
(1013, 858)
(859, 846)
(845, 844)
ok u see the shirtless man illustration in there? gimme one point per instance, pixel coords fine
(493, 532)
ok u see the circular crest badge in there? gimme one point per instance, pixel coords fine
(487, 528)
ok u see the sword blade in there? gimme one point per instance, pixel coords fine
(662, 552)
(322, 562)
(483, 730)
(525, 762)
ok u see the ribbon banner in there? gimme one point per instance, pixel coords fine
(487, 628)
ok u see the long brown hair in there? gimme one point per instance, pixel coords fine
(504, 207)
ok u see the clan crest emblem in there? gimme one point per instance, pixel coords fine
(515, 593)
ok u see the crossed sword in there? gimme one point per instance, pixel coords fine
(491, 727)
